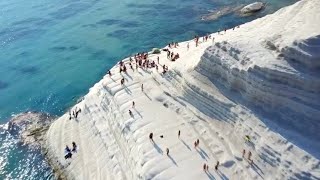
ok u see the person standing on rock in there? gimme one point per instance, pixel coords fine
(243, 153)
(158, 59)
(130, 112)
(205, 167)
(142, 87)
(109, 72)
(179, 134)
(69, 115)
(198, 141)
(188, 46)
(167, 151)
(133, 104)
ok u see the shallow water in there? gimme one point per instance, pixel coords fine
(52, 52)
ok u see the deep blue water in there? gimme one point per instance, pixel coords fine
(52, 52)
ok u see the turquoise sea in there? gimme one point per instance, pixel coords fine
(52, 52)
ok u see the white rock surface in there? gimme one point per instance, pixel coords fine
(212, 93)
(254, 7)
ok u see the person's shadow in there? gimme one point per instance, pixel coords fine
(155, 145)
(137, 112)
(185, 144)
(174, 162)
(210, 176)
(222, 176)
(256, 168)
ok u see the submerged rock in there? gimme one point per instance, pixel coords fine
(251, 8)
(30, 126)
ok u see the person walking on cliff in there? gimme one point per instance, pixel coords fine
(217, 165)
(131, 67)
(74, 147)
(77, 112)
(249, 155)
(67, 152)
(151, 137)
(122, 81)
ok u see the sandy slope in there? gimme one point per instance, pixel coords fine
(195, 97)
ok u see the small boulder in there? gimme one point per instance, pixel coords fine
(156, 51)
(251, 8)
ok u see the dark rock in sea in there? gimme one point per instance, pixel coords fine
(30, 126)
(108, 22)
(73, 48)
(129, 24)
(70, 10)
(29, 70)
(99, 54)
(120, 34)
(3, 85)
(58, 48)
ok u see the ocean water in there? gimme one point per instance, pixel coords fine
(52, 52)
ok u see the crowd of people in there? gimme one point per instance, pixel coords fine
(142, 60)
